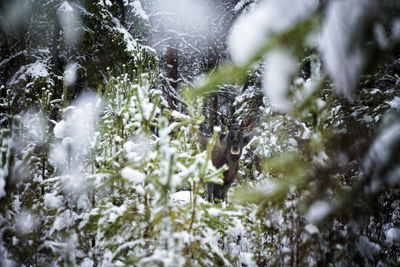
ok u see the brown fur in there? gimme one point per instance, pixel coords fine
(221, 155)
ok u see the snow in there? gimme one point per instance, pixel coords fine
(133, 175)
(75, 182)
(14, 14)
(341, 43)
(137, 149)
(318, 210)
(185, 197)
(26, 222)
(36, 125)
(139, 10)
(185, 14)
(130, 42)
(77, 133)
(381, 148)
(51, 200)
(367, 248)
(179, 116)
(87, 263)
(395, 103)
(37, 70)
(117, 212)
(65, 7)
(60, 129)
(392, 235)
(70, 23)
(2, 183)
(70, 74)
(396, 28)
(214, 211)
(380, 36)
(5, 259)
(64, 220)
(251, 31)
(311, 229)
(239, 6)
(279, 67)
(83, 202)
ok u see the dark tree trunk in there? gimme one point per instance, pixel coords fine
(172, 74)
(213, 111)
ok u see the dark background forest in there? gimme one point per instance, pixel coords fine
(103, 103)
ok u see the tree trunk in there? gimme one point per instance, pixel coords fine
(213, 111)
(172, 74)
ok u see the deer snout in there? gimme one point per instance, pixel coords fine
(235, 150)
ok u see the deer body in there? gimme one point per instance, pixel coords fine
(227, 150)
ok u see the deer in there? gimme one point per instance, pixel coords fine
(227, 150)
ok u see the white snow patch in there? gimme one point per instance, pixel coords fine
(381, 148)
(367, 248)
(380, 36)
(251, 31)
(268, 187)
(318, 210)
(392, 235)
(83, 202)
(70, 74)
(117, 212)
(133, 175)
(292, 142)
(51, 200)
(395, 103)
(36, 124)
(247, 258)
(130, 42)
(87, 263)
(78, 138)
(2, 183)
(139, 10)
(182, 196)
(74, 182)
(239, 6)
(187, 16)
(65, 7)
(311, 229)
(185, 197)
(13, 14)
(59, 129)
(279, 67)
(179, 116)
(214, 211)
(137, 149)
(396, 28)
(26, 222)
(37, 70)
(341, 44)
(366, 118)
(70, 23)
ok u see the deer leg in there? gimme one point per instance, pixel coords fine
(224, 190)
(218, 192)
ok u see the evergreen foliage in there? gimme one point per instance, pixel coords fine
(101, 158)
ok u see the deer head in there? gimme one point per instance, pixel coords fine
(236, 140)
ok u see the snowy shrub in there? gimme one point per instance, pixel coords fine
(116, 178)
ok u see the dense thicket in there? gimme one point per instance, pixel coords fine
(101, 108)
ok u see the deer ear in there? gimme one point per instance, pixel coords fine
(247, 123)
(225, 120)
